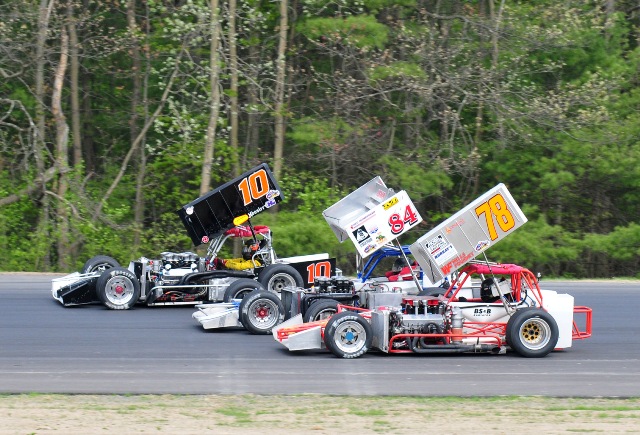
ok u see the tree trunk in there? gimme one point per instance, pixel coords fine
(44, 13)
(251, 140)
(88, 130)
(74, 86)
(214, 107)
(233, 63)
(138, 212)
(62, 149)
(43, 29)
(281, 66)
(233, 138)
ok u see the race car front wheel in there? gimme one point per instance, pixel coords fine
(532, 332)
(261, 311)
(241, 287)
(348, 335)
(320, 310)
(118, 288)
(275, 277)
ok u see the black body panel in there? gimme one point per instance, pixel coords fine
(79, 293)
(308, 274)
(251, 193)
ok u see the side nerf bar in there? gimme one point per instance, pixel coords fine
(577, 333)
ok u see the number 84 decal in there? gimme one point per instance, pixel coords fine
(397, 223)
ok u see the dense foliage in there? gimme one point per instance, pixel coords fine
(106, 106)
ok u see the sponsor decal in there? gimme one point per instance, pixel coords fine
(270, 203)
(454, 225)
(481, 245)
(393, 201)
(442, 255)
(456, 263)
(370, 248)
(380, 194)
(256, 211)
(437, 243)
(362, 220)
(380, 239)
(205, 239)
(478, 312)
(273, 193)
(361, 234)
(443, 251)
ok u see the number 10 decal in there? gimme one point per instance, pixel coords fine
(496, 207)
(322, 268)
(253, 187)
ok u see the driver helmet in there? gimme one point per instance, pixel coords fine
(398, 264)
(250, 247)
(486, 290)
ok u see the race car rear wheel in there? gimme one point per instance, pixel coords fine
(261, 311)
(532, 332)
(275, 277)
(321, 309)
(241, 287)
(348, 335)
(99, 263)
(118, 288)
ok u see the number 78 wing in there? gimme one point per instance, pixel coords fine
(481, 224)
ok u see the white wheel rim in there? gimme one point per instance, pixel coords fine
(263, 314)
(280, 281)
(324, 314)
(535, 333)
(350, 337)
(119, 290)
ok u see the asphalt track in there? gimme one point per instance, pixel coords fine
(47, 348)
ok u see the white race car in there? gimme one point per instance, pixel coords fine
(186, 278)
(507, 311)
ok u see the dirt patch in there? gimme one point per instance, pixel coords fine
(312, 414)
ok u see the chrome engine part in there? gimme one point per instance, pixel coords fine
(335, 284)
(172, 266)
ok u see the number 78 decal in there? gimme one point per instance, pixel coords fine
(495, 210)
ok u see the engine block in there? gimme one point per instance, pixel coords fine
(335, 284)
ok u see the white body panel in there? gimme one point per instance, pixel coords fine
(220, 315)
(560, 306)
(309, 339)
(301, 258)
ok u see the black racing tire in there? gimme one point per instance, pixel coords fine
(118, 288)
(432, 291)
(320, 309)
(241, 287)
(348, 335)
(532, 332)
(99, 263)
(261, 311)
(275, 277)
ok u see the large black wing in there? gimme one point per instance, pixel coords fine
(251, 193)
